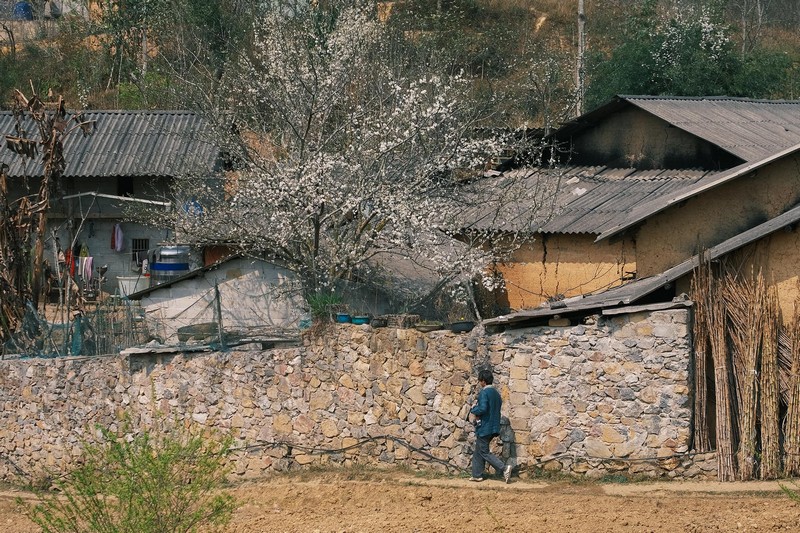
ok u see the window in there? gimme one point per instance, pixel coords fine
(139, 249)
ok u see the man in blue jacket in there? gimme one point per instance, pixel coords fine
(487, 427)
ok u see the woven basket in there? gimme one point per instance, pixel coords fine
(401, 321)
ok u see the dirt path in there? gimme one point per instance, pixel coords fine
(398, 502)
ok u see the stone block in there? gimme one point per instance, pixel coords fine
(521, 360)
(416, 395)
(329, 428)
(596, 448)
(282, 424)
(518, 372)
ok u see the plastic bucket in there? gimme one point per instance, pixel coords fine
(131, 284)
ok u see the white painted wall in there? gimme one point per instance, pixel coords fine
(255, 296)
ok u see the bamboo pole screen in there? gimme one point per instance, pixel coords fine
(756, 370)
(791, 426)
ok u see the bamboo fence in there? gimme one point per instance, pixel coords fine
(716, 320)
(745, 307)
(702, 350)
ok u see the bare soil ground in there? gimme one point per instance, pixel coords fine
(346, 501)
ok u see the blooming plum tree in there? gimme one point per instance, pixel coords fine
(340, 160)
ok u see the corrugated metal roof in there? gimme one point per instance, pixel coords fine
(660, 203)
(127, 143)
(747, 128)
(636, 290)
(750, 129)
(588, 199)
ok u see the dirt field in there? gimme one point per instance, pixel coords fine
(398, 501)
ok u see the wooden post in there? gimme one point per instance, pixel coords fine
(218, 309)
(580, 68)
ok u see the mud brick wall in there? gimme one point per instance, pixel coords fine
(610, 395)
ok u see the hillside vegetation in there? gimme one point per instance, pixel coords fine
(521, 54)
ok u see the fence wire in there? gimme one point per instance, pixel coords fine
(96, 328)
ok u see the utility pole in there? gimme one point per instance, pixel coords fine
(580, 68)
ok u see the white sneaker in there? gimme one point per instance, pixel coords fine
(507, 473)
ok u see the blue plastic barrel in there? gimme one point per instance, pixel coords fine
(22, 11)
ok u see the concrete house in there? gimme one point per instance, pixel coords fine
(130, 160)
(650, 182)
(248, 297)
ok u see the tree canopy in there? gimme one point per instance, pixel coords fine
(689, 51)
(344, 158)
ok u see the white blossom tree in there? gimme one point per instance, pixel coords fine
(342, 161)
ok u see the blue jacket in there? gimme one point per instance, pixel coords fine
(488, 412)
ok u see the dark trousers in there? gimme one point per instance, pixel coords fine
(482, 455)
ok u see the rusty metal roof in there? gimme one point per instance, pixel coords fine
(636, 291)
(126, 143)
(747, 128)
(587, 200)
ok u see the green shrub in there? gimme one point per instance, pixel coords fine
(324, 305)
(792, 493)
(161, 480)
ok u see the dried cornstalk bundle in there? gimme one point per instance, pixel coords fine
(770, 396)
(791, 427)
(700, 290)
(715, 309)
(745, 307)
(785, 361)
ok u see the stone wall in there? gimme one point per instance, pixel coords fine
(605, 396)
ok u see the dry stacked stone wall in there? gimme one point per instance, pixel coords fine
(609, 395)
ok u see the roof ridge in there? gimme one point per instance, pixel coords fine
(707, 98)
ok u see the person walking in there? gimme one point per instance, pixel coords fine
(487, 427)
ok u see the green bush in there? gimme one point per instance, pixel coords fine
(161, 480)
(324, 305)
(792, 493)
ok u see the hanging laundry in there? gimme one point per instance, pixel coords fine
(116, 238)
(84, 250)
(87, 268)
(70, 262)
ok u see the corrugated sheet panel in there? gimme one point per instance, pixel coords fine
(711, 180)
(127, 143)
(588, 200)
(750, 129)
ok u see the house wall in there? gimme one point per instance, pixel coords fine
(677, 233)
(567, 265)
(781, 261)
(632, 138)
(254, 296)
(610, 395)
(90, 220)
(96, 234)
(777, 256)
